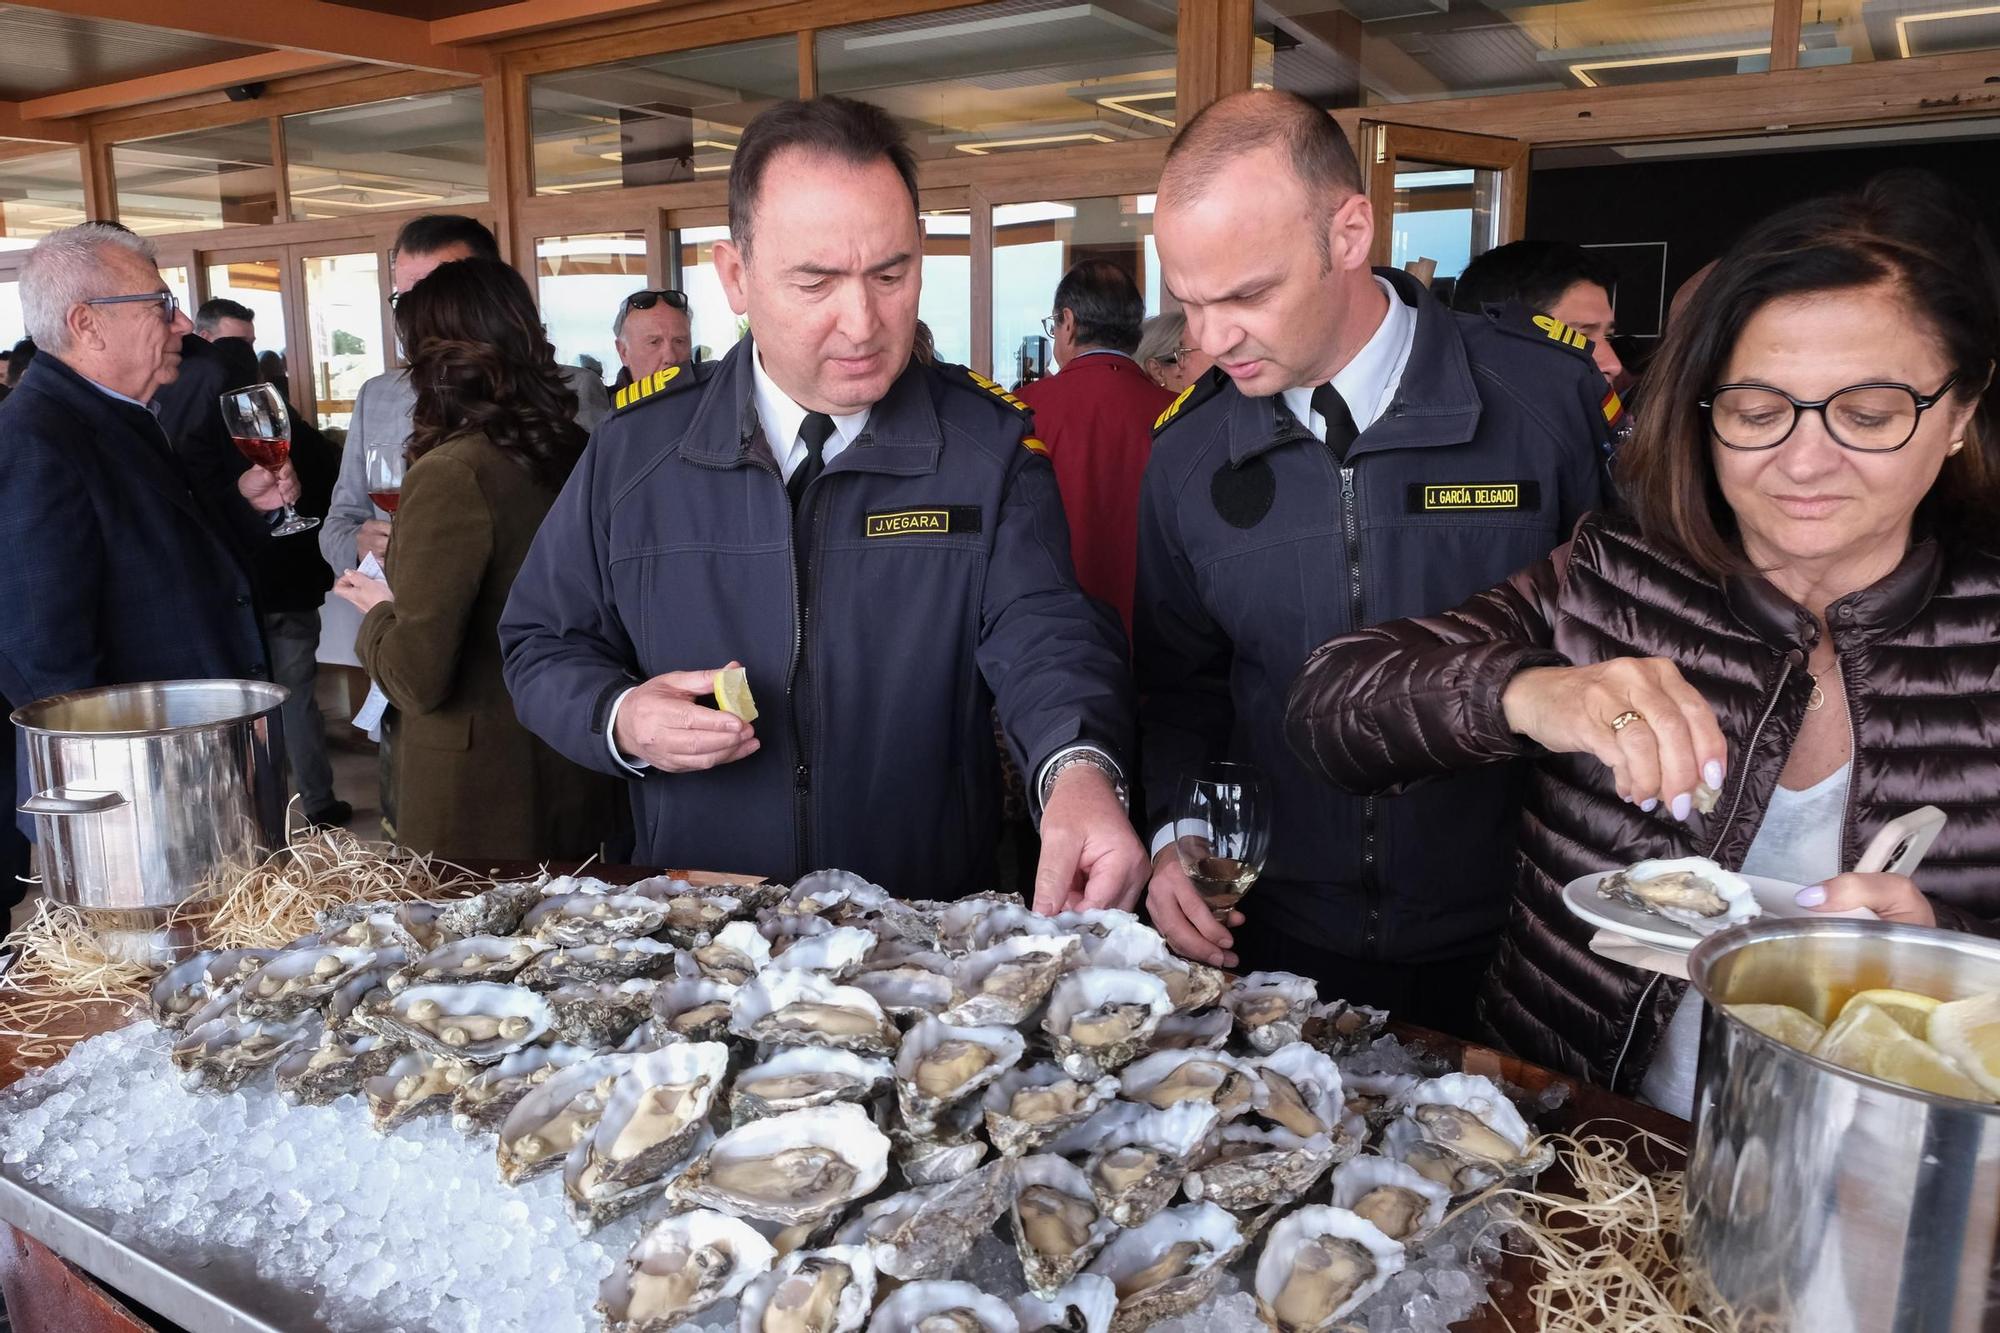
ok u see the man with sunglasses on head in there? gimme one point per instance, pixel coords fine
(652, 330)
(118, 569)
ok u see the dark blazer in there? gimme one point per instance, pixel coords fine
(116, 571)
(471, 780)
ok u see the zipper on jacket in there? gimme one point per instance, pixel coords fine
(1721, 832)
(1350, 531)
(798, 683)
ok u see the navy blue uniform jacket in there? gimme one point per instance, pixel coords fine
(925, 579)
(1256, 546)
(115, 570)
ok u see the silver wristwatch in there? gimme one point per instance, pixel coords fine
(1098, 760)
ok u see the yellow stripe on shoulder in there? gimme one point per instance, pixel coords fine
(994, 388)
(1561, 332)
(641, 389)
(1173, 407)
(1034, 446)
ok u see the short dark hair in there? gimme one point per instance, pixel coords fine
(218, 308)
(1106, 303)
(859, 133)
(435, 231)
(1905, 228)
(1241, 123)
(1535, 273)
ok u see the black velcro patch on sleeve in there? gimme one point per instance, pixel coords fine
(1243, 495)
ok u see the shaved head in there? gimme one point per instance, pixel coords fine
(1304, 137)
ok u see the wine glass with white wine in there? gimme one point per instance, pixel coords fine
(1222, 831)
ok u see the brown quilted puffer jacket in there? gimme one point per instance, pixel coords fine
(1919, 654)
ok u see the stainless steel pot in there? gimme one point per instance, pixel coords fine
(141, 792)
(1824, 1201)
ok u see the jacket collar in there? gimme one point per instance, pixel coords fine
(149, 453)
(1436, 404)
(902, 436)
(1883, 607)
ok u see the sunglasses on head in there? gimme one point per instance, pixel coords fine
(646, 300)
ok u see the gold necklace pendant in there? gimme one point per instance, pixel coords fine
(1816, 700)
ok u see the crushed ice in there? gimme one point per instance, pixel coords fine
(414, 1229)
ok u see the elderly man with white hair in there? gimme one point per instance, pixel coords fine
(116, 569)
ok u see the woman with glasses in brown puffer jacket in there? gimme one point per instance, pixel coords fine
(1803, 613)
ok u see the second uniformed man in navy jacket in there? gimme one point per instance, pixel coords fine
(878, 542)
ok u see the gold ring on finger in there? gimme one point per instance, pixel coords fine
(1626, 719)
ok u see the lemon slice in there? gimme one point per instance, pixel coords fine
(1916, 1064)
(732, 693)
(1781, 1022)
(1969, 1032)
(1858, 1036)
(1908, 1008)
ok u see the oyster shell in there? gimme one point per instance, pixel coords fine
(943, 1307)
(1691, 891)
(181, 990)
(376, 929)
(738, 952)
(799, 1077)
(353, 1005)
(929, 1161)
(484, 1100)
(1471, 1123)
(604, 1014)
(838, 893)
(800, 1167)
(1249, 1167)
(828, 1290)
(1100, 1018)
(911, 984)
(299, 979)
(925, 1233)
(219, 1054)
(981, 919)
(1207, 1030)
(1376, 1098)
(939, 1064)
(593, 1201)
(1085, 1305)
(1302, 1091)
(335, 1066)
(613, 960)
(415, 1083)
(1008, 981)
(680, 1267)
(1027, 1108)
(1340, 1028)
(836, 952)
(553, 1118)
(419, 920)
(691, 1009)
(1140, 1157)
(474, 958)
(1318, 1266)
(480, 1021)
(592, 918)
(1056, 1221)
(497, 911)
(692, 918)
(792, 1008)
(1404, 1205)
(1169, 1265)
(1271, 1008)
(656, 1110)
(1159, 1080)
(232, 967)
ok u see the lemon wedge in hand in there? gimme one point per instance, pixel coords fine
(732, 693)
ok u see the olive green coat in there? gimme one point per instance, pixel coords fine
(472, 783)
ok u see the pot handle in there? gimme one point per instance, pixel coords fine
(56, 803)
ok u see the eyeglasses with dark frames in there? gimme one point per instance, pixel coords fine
(652, 296)
(1873, 418)
(169, 304)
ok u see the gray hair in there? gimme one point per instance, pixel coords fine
(1160, 336)
(65, 269)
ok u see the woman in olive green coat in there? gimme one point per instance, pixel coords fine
(491, 444)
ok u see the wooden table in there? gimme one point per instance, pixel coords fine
(45, 1294)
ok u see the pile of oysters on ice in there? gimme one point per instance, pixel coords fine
(827, 1096)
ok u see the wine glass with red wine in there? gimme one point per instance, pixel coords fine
(1222, 831)
(385, 473)
(262, 429)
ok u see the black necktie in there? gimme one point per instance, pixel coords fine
(814, 430)
(1340, 428)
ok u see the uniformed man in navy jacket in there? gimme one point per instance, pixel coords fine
(1359, 453)
(878, 542)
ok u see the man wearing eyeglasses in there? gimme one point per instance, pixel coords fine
(876, 539)
(117, 568)
(652, 331)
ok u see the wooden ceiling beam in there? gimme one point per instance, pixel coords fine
(17, 123)
(178, 83)
(525, 16)
(312, 26)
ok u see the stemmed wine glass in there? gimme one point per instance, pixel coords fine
(261, 426)
(1222, 831)
(385, 473)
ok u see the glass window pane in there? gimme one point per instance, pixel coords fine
(344, 321)
(672, 117)
(1373, 52)
(717, 328)
(946, 303)
(1035, 244)
(1443, 213)
(255, 283)
(196, 181)
(1000, 78)
(176, 278)
(38, 195)
(408, 152)
(581, 280)
(1842, 32)
(12, 329)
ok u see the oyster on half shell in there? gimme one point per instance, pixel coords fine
(1318, 1266)
(1100, 1018)
(1271, 1008)
(799, 1077)
(679, 1268)
(943, 1307)
(1169, 1265)
(803, 1166)
(939, 1064)
(827, 1290)
(925, 1233)
(799, 1008)
(1056, 1221)
(1402, 1203)
(1028, 1108)
(1084, 1305)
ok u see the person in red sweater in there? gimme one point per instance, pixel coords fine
(1096, 416)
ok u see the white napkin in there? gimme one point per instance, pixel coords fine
(368, 717)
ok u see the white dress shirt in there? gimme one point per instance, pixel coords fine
(1367, 384)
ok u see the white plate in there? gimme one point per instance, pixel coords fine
(1775, 896)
